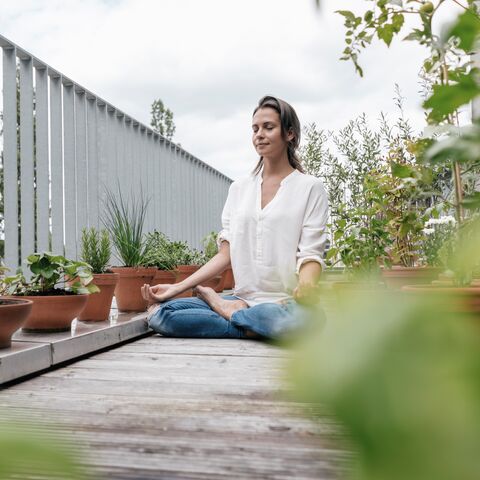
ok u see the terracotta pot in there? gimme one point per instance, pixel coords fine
(53, 313)
(164, 276)
(449, 299)
(99, 304)
(397, 276)
(220, 284)
(448, 280)
(13, 314)
(127, 292)
(215, 283)
(351, 286)
(228, 280)
(183, 272)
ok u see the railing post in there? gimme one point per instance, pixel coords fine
(27, 203)
(10, 179)
(81, 166)
(70, 194)
(56, 163)
(41, 153)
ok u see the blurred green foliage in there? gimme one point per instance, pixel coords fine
(401, 374)
(25, 452)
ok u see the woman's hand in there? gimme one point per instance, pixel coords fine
(307, 293)
(159, 293)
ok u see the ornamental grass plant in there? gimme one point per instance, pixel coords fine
(124, 219)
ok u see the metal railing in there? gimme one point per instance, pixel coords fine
(63, 146)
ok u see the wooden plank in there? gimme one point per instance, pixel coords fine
(146, 413)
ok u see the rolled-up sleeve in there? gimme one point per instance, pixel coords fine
(313, 237)
(224, 234)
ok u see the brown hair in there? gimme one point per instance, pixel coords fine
(289, 123)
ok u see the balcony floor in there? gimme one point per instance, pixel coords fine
(162, 408)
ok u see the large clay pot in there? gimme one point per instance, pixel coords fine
(228, 280)
(398, 276)
(164, 277)
(99, 304)
(448, 298)
(128, 290)
(183, 272)
(53, 313)
(13, 314)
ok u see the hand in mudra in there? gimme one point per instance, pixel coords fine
(158, 293)
(307, 294)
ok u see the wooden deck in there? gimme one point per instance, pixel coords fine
(160, 408)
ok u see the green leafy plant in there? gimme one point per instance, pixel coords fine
(50, 276)
(210, 247)
(360, 242)
(124, 220)
(438, 241)
(184, 255)
(401, 376)
(32, 450)
(160, 252)
(449, 78)
(96, 249)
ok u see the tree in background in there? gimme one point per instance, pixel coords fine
(162, 119)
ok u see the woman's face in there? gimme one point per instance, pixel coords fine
(267, 133)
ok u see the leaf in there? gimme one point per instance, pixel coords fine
(401, 171)
(347, 14)
(397, 22)
(466, 29)
(368, 16)
(415, 35)
(448, 98)
(472, 202)
(385, 33)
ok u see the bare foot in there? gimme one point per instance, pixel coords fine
(225, 308)
(151, 309)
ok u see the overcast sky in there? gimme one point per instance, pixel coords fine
(211, 60)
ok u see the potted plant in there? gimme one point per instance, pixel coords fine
(403, 187)
(462, 257)
(96, 251)
(210, 249)
(160, 254)
(124, 221)
(13, 314)
(56, 302)
(360, 240)
(188, 261)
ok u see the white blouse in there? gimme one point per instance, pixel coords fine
(268, 246)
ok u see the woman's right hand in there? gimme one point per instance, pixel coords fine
(159, 293)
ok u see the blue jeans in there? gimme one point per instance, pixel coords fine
(193, 318)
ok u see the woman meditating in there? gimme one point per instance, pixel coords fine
(273, 236)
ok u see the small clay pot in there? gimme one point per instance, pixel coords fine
(99, 304)
(228, 280)
(13, 314)
(183, 272)
(128, 289)
(216, 283)
(398, 276)
(53, 313)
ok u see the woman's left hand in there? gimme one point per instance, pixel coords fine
(306, 294)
